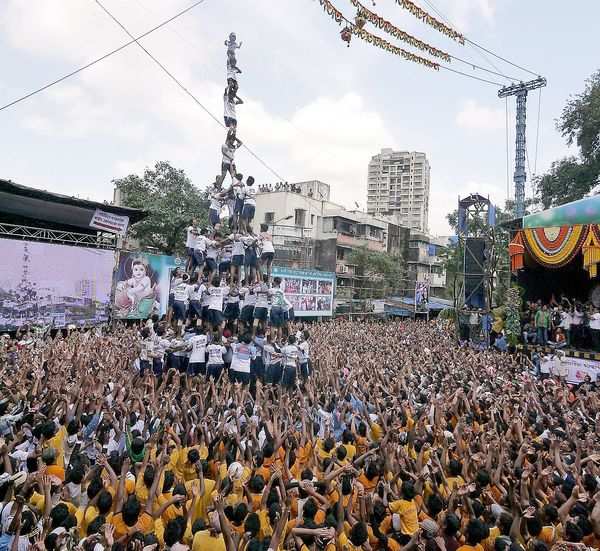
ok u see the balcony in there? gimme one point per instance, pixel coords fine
(361, 241)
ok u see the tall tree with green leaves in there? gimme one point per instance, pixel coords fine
(572, 178)
(380, 273)
(171, 200)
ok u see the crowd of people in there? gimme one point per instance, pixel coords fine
(280, 186)
(560, 324)
(398, 438)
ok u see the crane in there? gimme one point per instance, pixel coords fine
(520, 90)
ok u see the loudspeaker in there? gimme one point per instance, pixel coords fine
(474, 268)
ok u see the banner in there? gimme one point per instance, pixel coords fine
(56, 285)
(107, 221)
(142, 284)
(422, 297)
(310, 291)
(579, 368)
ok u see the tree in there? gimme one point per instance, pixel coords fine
(512, 324)
(171, 200)
(572, 178)
(379, 273)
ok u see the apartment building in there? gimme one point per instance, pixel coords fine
(398, 184)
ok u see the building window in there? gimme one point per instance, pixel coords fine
(312, 219)
(300, 217)
(269, 217)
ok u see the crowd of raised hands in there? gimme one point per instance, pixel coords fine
(400, 439)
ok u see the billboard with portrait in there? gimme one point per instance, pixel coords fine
(309, 291)
(53, 285)
(142, 284)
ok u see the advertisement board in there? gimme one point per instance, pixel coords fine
(579, 368)
(57, 285)
(422, 297)
(310, 291)
(142, 284)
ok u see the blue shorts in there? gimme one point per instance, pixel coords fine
(250, 258)
(288, 378)
(266, 257)
(195, 309)
(232, 311)
(211, 264)
(179, 309)
(239, 206)
(239, 377)
(224, 266)
(214, 370)
(237, 260)
(213, 217)
(197, 259)
(277, 319)
(214, 317)
(144, 366)
(248, 212)
(189, 251)
(273, 373)
(261, 313)
(290, 314)
(196, 368)
(205, 312)
(229, 121)
(247, 314)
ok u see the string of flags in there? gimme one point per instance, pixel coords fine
(365, 15)
(357, 29)
(430, 20)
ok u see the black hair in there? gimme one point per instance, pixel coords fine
(131, 511)
(475, 532)
(359, 533)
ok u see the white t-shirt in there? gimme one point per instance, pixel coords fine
(290, 355)
(250, 196)
(229, 106)
(215, 201)
(565, 320)
(228, 154)
(200, 244)
(304, 349)
(242, 356)
(595, 321)
(198, 343)
(197, 292)
(262, 295)
(577, 318)
(267, 242)
(216, 296)
(215, 354)
(190, 240)
(182, 292)
(546, 364)
(238, 246)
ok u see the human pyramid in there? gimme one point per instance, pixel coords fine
(225, 301)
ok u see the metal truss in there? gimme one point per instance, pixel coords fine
(97, 241)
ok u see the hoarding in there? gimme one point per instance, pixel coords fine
(578, 368)
(142, 284)
(56, 285)
(310, 291)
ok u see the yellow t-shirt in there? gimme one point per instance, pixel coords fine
(57, 442)
(203, 541)
(409, 521)
(350, 451)
(204, 501)
(345, 543)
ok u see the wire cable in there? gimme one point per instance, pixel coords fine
(473, 43)
(101, 58)
(180, 84)
(471, 76)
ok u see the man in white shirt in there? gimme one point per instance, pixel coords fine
(228, 151)
(267, 249)
(230, 100)
(216, 203)
(197, 344)
(215, 352)
(181, 299)
(249, 206)
(290, 355)
(243, 354)
(216, 295)
(595, 330)
(190, 243)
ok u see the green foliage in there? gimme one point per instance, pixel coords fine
(572, 178)
(512, 324)
(380, 273)
(171, 200)
(567, 180)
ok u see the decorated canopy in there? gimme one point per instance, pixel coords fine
(584, 211)
(554, 237)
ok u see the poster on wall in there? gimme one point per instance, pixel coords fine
(310, 291)
(142, 284)
(46, 284)
(422, 297)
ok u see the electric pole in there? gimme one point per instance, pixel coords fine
(520, 90)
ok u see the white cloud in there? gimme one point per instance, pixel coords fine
(474, 116)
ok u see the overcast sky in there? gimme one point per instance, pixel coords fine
(314, 109)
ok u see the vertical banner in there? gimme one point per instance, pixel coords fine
(422, 297)
(142, 284)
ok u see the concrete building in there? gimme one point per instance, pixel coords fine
(426, 263)
(317, 233)
(398, 183)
